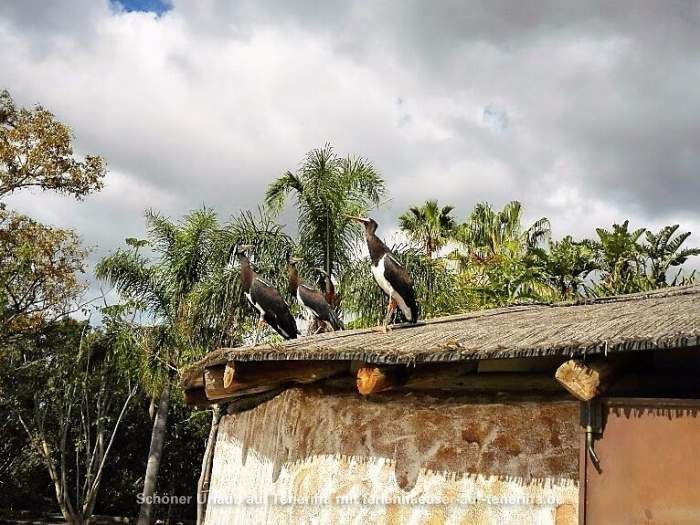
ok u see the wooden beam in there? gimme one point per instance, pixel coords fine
(585, 380)
(484, 382)
(258, 376)
(241, 374)
(215, 390)
(520, 364)
(192, 378)
(196, 397)
(451, 377)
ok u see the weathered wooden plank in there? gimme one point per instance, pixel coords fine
(223, 381)
(241, 374)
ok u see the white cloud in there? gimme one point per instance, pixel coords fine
(588, 115)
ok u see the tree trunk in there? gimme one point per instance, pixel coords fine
(154, 453)
(207, 462)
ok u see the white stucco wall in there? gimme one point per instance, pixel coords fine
(308, 458)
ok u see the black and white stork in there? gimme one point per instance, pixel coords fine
(328, 288)
(311, 299)
(391, 277)
(266, 300)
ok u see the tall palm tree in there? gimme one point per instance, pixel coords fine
(621, 260)
(161, 289)
(327, 189)
(488, 233)
(496, 269)
(429, 225)
(566, 264)
(665, 251)
(194, 299)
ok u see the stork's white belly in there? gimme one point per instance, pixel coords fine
(309, 312)
(385, 285)
(378, 274)
(254, 304)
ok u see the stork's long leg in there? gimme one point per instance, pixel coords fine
(258, 329)
(389, 312)
(324, 326)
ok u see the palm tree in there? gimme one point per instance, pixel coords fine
(429, 225)
(497, 268)
(566, 264)
(664, 252)
(488, 233)
(619, 255)
(193, 297)
(327, 189)
(161, 289)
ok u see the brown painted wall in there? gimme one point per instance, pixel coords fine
(475, 462)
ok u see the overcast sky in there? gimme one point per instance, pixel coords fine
(587, 112)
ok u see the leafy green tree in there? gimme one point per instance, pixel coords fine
(621, 259)
(39, 275)
(664, 251)
(36, 151)
(68, 419)
(39, 265)
(429, 225)
(161, 290)
(327, 189)
(566, 264)
(488, 233)
(495, 257)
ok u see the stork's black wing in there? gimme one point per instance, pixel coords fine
(275, 310)
(402, 283)
(315, 301)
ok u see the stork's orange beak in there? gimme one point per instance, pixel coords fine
(361, 220)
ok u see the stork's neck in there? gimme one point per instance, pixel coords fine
(247, 273)
(377, 249)
(294, 280)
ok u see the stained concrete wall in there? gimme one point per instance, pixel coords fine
(308, 457)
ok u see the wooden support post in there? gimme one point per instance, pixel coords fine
(226, 380)
(585, 380)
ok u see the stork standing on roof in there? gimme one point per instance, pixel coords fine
(391, 277)
(328, 286)
(266, 300)
(310, 298)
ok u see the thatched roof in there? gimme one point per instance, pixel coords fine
(663, 319)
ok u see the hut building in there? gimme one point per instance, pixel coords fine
(573, 413)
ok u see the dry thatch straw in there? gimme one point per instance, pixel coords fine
(663, 319)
